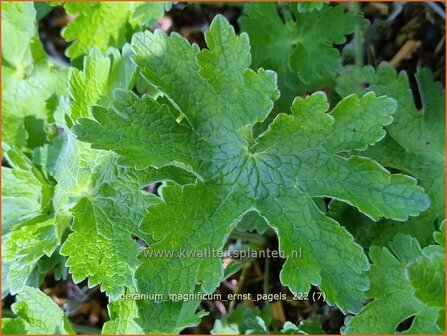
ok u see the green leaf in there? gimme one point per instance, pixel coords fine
(109, 213)
(26, 193)
(28, 234)
(299, 46)
(107, 24)
(29, 231)
(69, 161)
(18, 30)
(100, 76)
(217, 99)
(427, 278)
(36, 314)
(252, 222)
(25, 100)
(439, 236)
(368, 232)
(95, 194)
(148, 13)
(400, 278)
(290, 328)
(168, 317)
(72, 169)
(243, 320)
(416, 141)
(135, 314)
(306, 7)
(222, 328)
(42, 9)
(23, 247)
(29, 81)
(123, 315)
(5, 283)
(311, 326)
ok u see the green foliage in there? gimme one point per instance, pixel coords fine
(310, 326)
(26, 192)
(36, 314)
(243, 320)
(109, 203)
(29, 80)
(416, 139)
(306, 7)
(406, 281)
(80, 146)
(107, 24)
(298, 42)
(414, 144)
(239, 173)
(99, 77)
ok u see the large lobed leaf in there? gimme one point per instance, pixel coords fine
(300, 156)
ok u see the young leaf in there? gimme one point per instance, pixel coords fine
(26, 193)
(26, 205)
(243, 320)
(109, 214)
(69, 161)
(103, 198)
(18, 31)
(399, 278)
(23, 247)
(123, 315)
(277, 174)
(28, 80)
(107, 24)
(36, 314)
(100, 76)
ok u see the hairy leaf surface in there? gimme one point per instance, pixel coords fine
(406, 281)
(36, 314)
(28, 79)
(298, 43)
(107, 24)
(220, 98)
(416, 141)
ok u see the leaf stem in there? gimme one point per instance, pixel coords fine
(239, 286)
(265, 284)
(358, 37)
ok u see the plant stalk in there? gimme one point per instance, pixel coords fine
(358, 37)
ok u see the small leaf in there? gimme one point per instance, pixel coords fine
(106, 24)
(36, 314)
